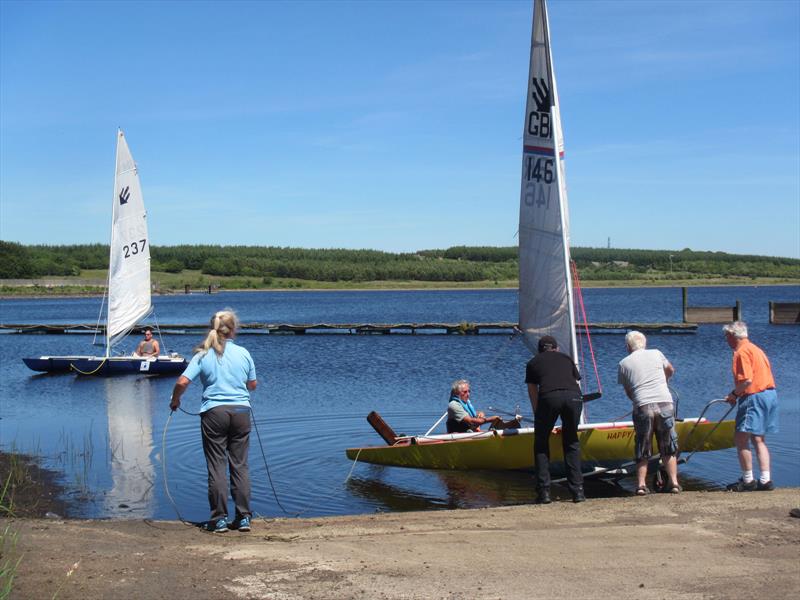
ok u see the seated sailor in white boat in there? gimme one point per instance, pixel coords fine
(148, 347)
(462, 416)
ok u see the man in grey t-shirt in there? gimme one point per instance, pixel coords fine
(644, 375)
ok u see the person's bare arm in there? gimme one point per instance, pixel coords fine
(533, 394)
(628, 392)
(738, 391)
(177, 392)
(669, 370)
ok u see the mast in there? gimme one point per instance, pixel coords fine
(562, 189)
(111, 242)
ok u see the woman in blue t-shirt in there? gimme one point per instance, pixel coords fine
(228, 375)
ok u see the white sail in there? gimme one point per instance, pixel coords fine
(545, 294)
(129, 262)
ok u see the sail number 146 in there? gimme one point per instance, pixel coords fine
(133, 248)
(539, 169)
(538, 177)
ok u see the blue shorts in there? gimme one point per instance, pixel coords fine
(758, 413)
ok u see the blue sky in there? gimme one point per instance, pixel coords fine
(397, 125)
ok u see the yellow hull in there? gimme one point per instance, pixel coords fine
(604, 445)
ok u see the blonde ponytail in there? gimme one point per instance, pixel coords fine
(224, 325)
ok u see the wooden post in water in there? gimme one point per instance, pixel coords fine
(685, 302)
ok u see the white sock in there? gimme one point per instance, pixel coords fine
(747, 476)
(764, 477)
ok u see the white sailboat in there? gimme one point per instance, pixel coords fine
(129, 298)
(546, 307)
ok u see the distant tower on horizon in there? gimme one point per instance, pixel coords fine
(609, 242)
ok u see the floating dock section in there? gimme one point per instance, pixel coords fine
(710, 314)
(462, 328)
(784, 313)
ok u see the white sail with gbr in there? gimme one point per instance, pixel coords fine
(545, 299)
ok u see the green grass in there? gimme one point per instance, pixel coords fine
(176, 283)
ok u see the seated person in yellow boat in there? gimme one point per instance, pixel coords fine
(462, 416)
(148, 346)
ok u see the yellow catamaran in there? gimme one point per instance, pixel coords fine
(546, 307)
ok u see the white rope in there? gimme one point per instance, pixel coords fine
(354, 465)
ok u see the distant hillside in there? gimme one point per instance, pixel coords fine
(456, 264)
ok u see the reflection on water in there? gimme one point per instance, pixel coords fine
(130, 441)
(468, 489)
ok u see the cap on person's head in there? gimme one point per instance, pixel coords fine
(547, 342)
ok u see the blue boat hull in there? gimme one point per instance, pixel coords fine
(52, 364)
(99, 365)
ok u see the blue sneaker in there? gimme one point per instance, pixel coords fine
(218, 526)
(241, 524)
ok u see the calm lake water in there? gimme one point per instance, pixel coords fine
(106, 434)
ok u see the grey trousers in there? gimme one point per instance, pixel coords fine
(226, 439)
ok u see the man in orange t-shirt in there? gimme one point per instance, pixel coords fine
(757, 414)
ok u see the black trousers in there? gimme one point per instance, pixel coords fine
(226, 440)
(568, 406)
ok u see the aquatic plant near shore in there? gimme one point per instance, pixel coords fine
(16, 477)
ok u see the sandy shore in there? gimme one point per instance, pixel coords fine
(697, 545)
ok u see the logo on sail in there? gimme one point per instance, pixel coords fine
(124, 195)
(541, 94)
(539, 119)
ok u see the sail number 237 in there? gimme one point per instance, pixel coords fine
(133, 248)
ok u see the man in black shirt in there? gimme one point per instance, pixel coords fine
(553, 388)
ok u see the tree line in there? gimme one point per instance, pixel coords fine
(457, 264)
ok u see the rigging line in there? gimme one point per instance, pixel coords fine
(346, 479)
(100, 314)
(426, 433)
(583, 356)
(618, 419)
(586, 324)
(266, 467)
(100, 366)
(158, 329)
